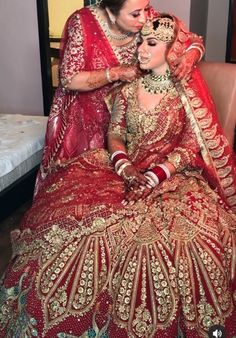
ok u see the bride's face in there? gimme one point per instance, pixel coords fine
(152, 54)
(133, 15)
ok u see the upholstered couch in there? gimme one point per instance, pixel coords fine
(221, 80)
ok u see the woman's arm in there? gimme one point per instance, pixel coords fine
(89, 80)
(117, 105)
(73, 75)
(187, 50)
(122, 164)
(186, 62)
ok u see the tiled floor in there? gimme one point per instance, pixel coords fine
(6, 227)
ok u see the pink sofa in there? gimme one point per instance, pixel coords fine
(221, 79)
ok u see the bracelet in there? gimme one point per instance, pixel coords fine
(195, 46)
(65, 82)
(119, 163)
(122, 167)
(161, 171)
(108, 75)
(117, 153)
(158, 174)
(153, 180)
(118, 157)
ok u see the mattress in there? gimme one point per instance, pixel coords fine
(21, 145)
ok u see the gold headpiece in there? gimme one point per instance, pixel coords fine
(164, 31)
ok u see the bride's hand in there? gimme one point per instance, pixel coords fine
(132, 176)
(136, 194)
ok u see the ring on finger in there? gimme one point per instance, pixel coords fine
(131, 178)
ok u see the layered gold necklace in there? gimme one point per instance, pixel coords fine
(115, 36)
(157, 84)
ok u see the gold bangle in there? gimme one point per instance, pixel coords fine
(65, 82)
(122, 167)
(108, 75)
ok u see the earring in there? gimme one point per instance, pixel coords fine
(111, 16)
(113, 20)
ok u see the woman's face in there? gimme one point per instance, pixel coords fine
(152, 54)
(133, 15)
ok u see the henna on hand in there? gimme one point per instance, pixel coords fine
(97, 79)
(135, 194)
(124, 73)
(133, 177)
(185, 64)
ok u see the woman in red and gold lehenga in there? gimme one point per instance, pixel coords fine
(145, 250)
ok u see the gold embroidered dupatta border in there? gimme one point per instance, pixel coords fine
(214, 146)
(215, 150)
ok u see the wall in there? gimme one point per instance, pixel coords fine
(180, 8)
(20, 80)
(208, 18)
(59, 11)
(198, 15)
(217, 30)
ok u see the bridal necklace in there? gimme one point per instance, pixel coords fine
(115, 36)
(157, 84)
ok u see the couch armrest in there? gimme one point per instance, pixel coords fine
(221, 80)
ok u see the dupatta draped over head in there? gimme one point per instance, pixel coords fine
(218, 161)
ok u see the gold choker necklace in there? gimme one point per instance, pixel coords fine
(114, 36)
(157, 84)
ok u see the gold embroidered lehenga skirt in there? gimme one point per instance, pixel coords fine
(86, 266)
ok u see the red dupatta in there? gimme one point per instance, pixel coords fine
(75, 116)
(218, 158)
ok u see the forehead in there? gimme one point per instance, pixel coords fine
(135, 5)
(148, 37)
(152, 37)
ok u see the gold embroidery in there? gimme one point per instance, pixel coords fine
(203, 128)
(211, 133)
(224, 171)
(160, 245)
(205, 123)
(73, 59)
(222, 162)
(200, 112)
(229, 191)
(215, 143)
(226, 182)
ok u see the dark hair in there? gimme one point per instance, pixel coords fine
(114, 5)
(163, 15)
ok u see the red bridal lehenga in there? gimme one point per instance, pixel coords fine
(86, 266)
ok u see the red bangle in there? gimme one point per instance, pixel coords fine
(160, 173)
(119, 157)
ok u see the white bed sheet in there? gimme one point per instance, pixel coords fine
(21, 145)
